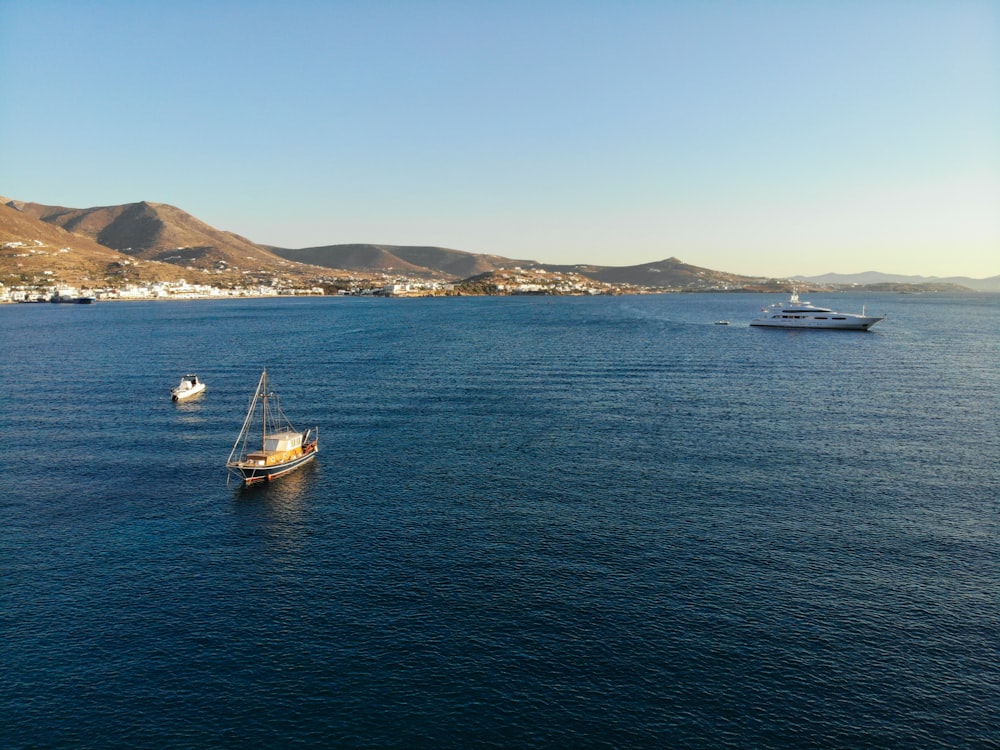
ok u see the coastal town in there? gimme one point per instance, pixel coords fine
(514, 282)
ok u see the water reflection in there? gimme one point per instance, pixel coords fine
(279, 507)
(189, 411)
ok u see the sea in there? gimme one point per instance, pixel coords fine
(534, 522)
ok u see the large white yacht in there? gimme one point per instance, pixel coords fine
(801, 314)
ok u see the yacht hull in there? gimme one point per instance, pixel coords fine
(861, 324)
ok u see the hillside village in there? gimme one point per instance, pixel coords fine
(515, 281)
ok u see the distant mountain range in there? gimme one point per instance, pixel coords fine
(157, 241)
(439, 262)
(873, 278)
(435, 262)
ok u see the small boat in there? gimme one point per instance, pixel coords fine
(801, 314)
(281, 449)
(189, 386)
(722, 322)
(71, 295)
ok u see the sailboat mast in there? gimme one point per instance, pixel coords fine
(263, 382)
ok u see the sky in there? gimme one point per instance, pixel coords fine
(767, 138)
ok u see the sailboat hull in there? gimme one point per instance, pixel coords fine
(253, 474)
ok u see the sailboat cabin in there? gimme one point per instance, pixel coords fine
(283, 441)
(278, 448)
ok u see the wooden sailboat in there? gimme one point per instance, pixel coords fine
(281, 449)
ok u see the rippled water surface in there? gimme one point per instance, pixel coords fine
(534, 522)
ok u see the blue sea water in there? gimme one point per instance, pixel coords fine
(534, 522)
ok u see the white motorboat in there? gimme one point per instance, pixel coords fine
(189, 386)
(798, 313)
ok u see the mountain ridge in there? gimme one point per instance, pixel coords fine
(163, 241)
(160, 232)
(423, 260)
(31, 249)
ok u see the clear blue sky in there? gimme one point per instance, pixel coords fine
(768, 137)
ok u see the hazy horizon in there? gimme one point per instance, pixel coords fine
(763, 139)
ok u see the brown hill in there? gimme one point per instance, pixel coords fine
(360, 258)
(161, 232)
(459, 263)
(33, 251)
(521, 280)
(438, 262)
(664, 274)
